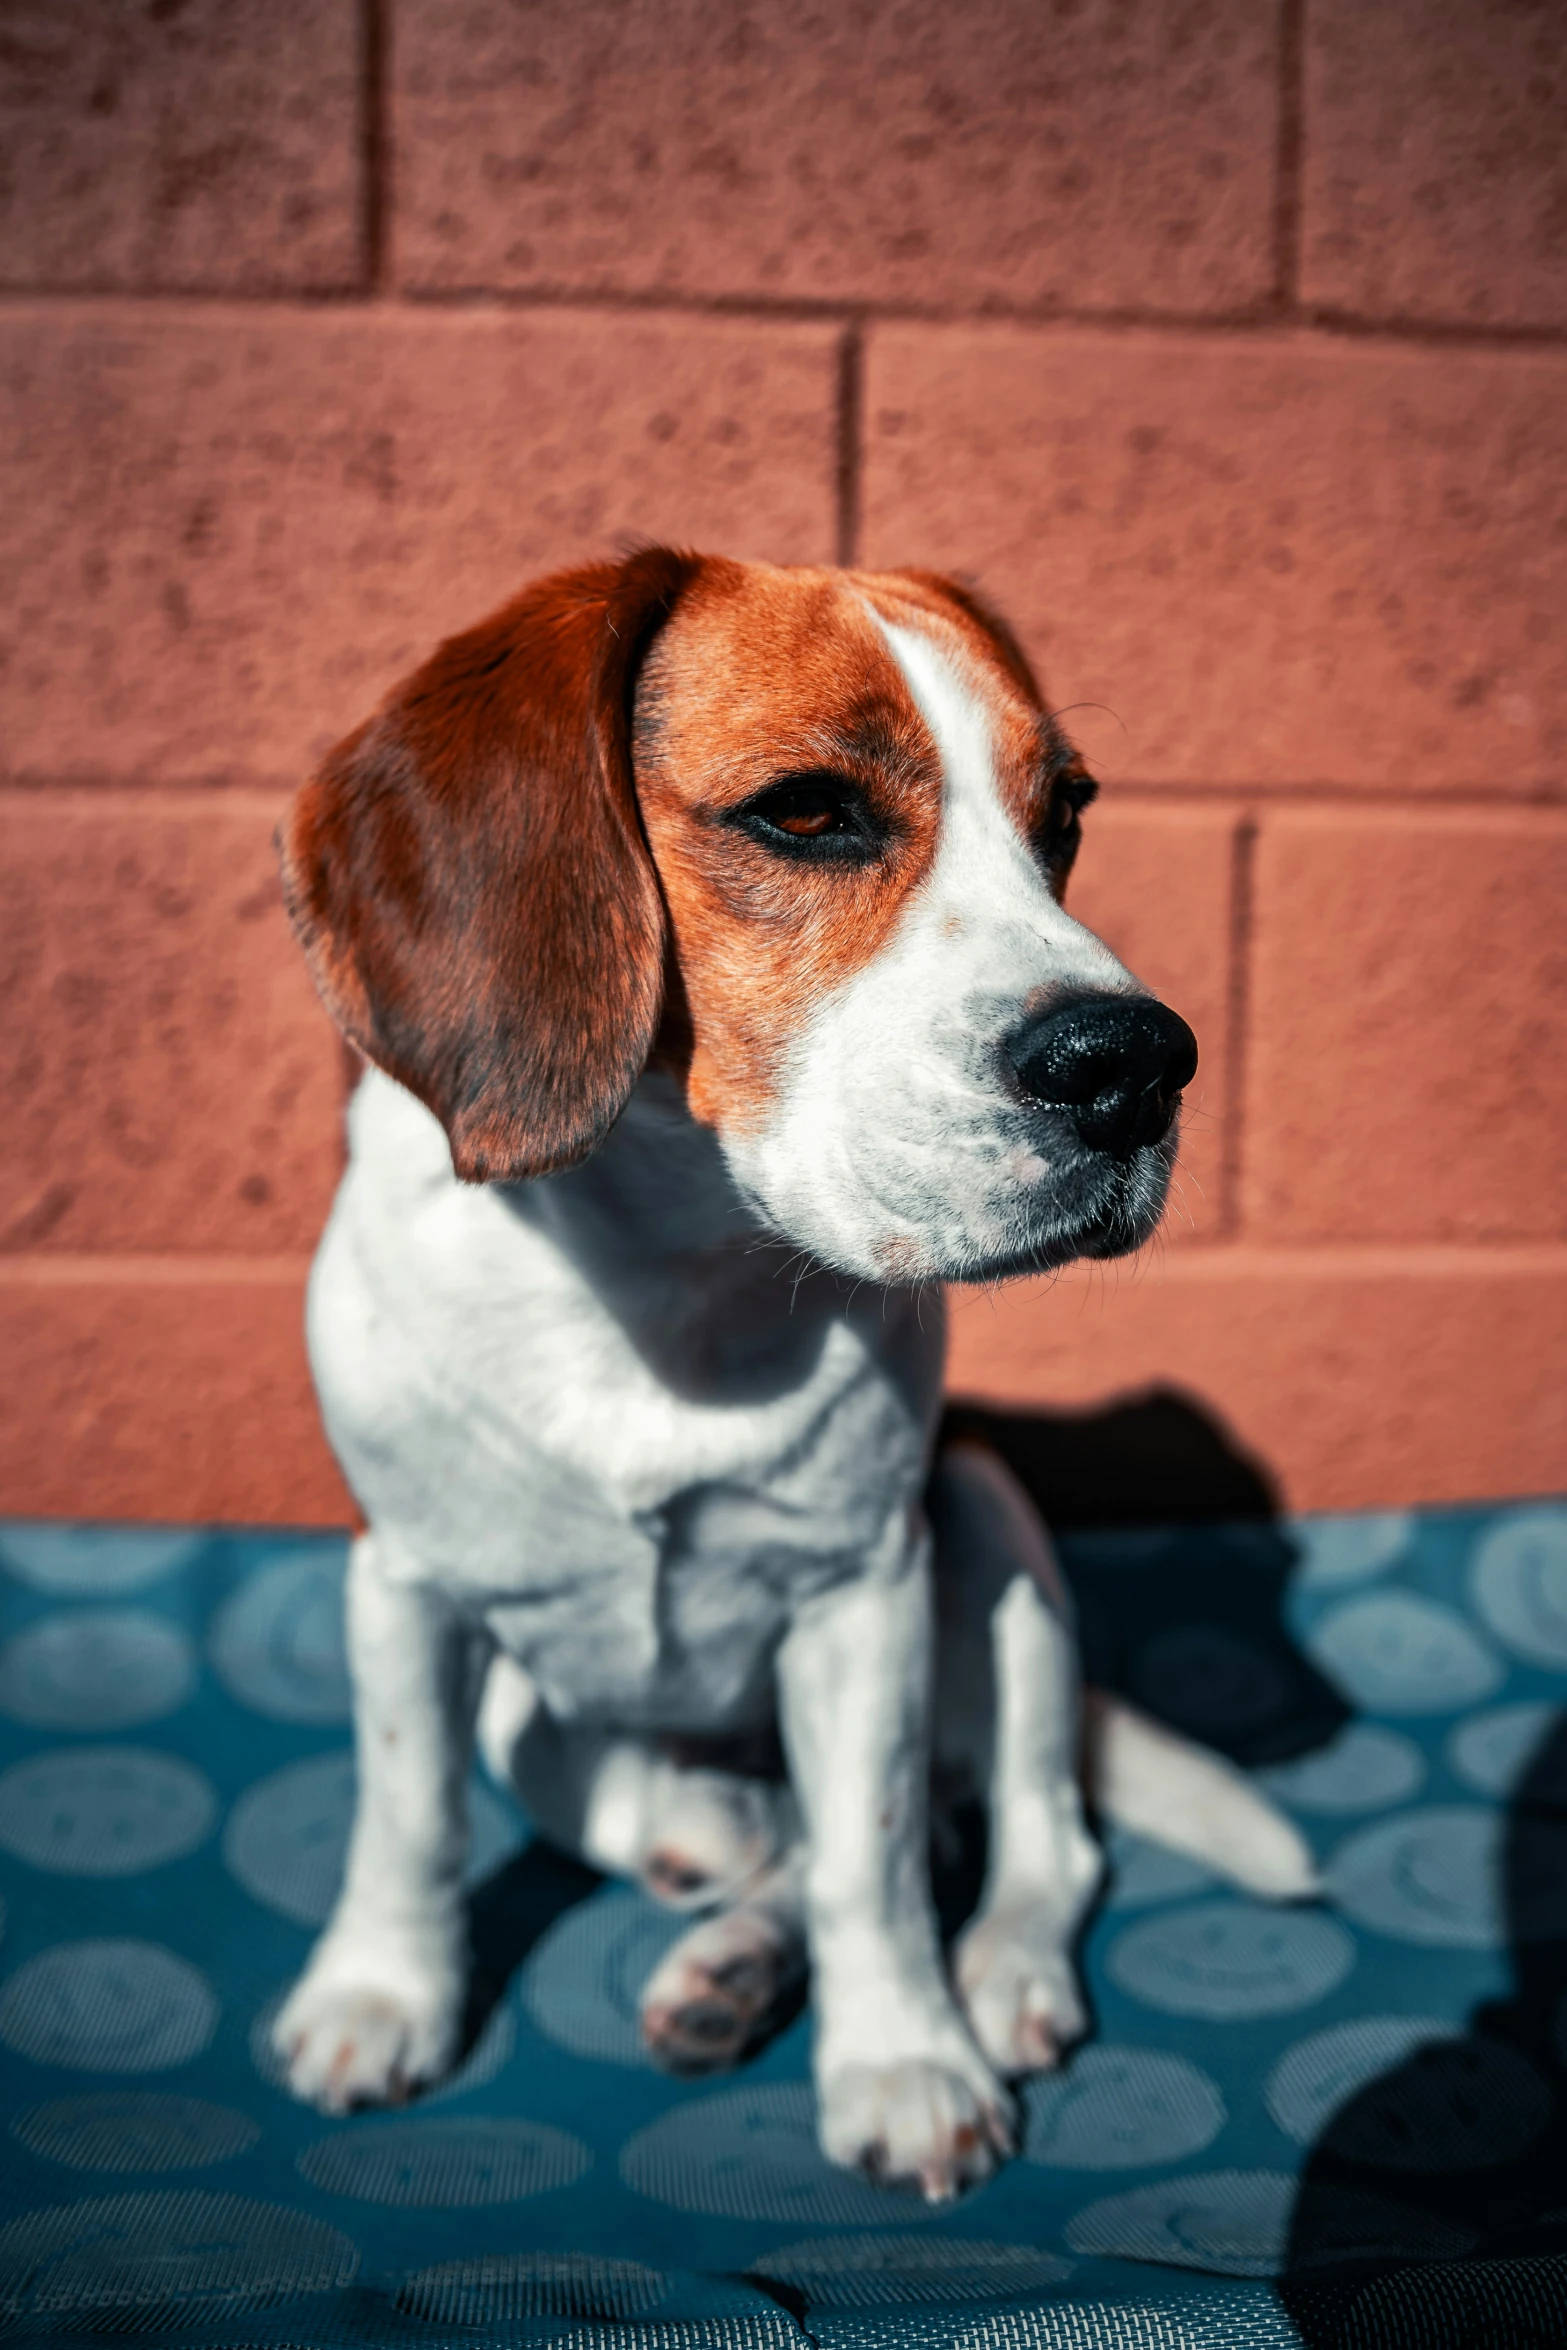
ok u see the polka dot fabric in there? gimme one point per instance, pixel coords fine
(1280, 2112)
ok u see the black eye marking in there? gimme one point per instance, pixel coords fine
(820, 817)
(1059, 833)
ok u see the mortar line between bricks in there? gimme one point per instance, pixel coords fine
(1301, 325)
(1237, 1015)
(374, 141)
(139, 1270)
(851, 437)
(1287, 191)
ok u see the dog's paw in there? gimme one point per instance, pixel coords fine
(716, 1992)
(370, 2035)
(1017, 1987)
(937, 2126)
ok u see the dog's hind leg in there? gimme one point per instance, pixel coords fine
(1007, 1721)
(696, 1838)
(693, 1836)
(722, 1987)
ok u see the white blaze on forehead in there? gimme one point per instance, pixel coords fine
(895, 1144)
(984, 869)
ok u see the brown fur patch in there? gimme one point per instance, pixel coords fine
(761, 675)
(482, 889)
(469, 878)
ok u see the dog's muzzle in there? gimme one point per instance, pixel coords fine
(1115, 1065)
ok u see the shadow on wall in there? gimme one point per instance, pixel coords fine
(1190, 1628)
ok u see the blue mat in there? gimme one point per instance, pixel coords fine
(1282, 2115)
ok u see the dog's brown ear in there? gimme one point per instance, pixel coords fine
(469, 878)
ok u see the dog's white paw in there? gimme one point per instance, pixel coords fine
(369, 2033)
(717, 1990)
(1017, 1987)
(940, 2126)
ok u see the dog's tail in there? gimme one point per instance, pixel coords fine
(1147, 1778)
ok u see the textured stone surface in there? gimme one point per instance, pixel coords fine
(1435, 165)
(1276, 558)
(1155, 882)
(207, 143)
(1011, 151)
(1409, 1027)
(167, 1078)
(229, 530)
(141, 1392)
(1360, 1376)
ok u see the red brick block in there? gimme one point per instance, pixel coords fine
(1363, 1378)
(167, 1078)
(1276, 558)
(1435, 167)
(1155, 883)
(1409, 1027)
(229, 531)
(147, 1390)
(900, 151)
(213, 144)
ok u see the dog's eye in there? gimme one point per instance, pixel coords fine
(1059, 832)
(810, 812)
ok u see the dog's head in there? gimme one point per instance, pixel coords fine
(801, 836)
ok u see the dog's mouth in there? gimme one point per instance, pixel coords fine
(1118, 1209)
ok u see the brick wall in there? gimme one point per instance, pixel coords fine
(1225, 341)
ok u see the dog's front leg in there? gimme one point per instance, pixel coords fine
(379, 2009)
(903, 2090)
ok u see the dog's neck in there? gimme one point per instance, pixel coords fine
(656, 1227)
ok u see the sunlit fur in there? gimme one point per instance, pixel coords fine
(633, 1456)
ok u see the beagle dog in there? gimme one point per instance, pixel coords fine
(702, 924)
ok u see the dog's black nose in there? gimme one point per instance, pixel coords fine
(1114, 1063)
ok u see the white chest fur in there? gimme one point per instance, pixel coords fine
(608, 1411)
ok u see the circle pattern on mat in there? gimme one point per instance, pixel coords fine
(505, 2288)
(1394, 1652)
(1405, 2093)
(1120, 2109)
(445, 2164)
(277, 1642)
(1518, 1581)
(1336, 1551)
(1143, 1872)
(148, 2251)
(1492, 1751)
(287, 1837)
(1320, 2075)
(1230, 1959)
(1234, 2221)
(108, 2006)
(749, 2154)
(95, 1669)
(871, 2271)
(135, 2130)
(489, 2055)
(1430, 1876)
(583, 1984)
(1363, 1768)
(73, 1560)
(103, 1811)
(1206, 1677)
